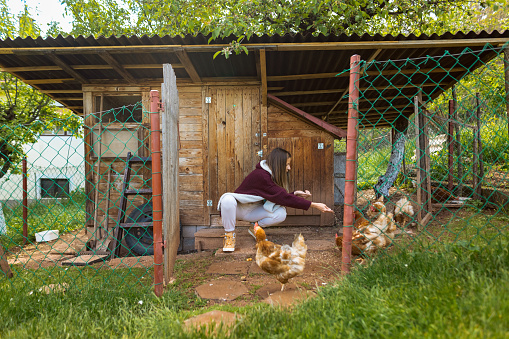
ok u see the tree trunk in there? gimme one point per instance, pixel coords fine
(398, 153)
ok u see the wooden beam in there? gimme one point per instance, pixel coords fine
(48, 81)
(364, 89)
(117, 66)
(263, 73)
(340, 133)
(346, 45)
(56, 59)
(82, 67)
(188, 65)
(346, 74)
(61, 91)
(68, 99)
(308, 104)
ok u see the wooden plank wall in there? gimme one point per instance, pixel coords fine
(312, 168)
(191, 174)
(234, 138)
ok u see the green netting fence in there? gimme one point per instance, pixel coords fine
(59, 217)
(433, 144)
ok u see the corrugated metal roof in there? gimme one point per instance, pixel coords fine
(300, 69)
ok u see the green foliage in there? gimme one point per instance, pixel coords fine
(64, 215)
(24, 111)
(247, 17)
(24, 114)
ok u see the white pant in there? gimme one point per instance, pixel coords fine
(232, 210)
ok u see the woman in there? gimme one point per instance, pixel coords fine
(262, 197)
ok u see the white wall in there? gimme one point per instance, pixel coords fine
(50, 157)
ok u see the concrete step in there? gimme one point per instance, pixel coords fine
(317, 238)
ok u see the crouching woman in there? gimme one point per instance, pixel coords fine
(263, 196)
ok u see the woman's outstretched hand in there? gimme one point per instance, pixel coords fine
(303, 194)
(321, 207)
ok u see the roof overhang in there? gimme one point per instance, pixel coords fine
(304, 71)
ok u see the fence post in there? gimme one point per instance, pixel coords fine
(351, 164)
(450, 143)
(479, 171)
(25, 201)
(157, 217)
(457, 142)
(506, 78)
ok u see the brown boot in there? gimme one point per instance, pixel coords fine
(229, 242)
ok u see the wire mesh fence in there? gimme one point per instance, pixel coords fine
(76, 204)
(432, 152)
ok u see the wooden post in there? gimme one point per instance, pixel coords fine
(4, 265)
(457, 143)
(418, 156)
(25, 201)
(427, 160)
(157, 219)
(351, 164)
(450, 144)
(171, 201)
(479, 171)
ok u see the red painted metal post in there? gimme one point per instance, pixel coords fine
(351, 164)
(450, 143)
(157, 215)
(25, 202)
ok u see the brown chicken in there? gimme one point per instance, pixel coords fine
(403, 212)
(374, 236)
(360, 221)
(376, 207)
(284, 262)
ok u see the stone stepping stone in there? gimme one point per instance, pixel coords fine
(229, 268)
(289, 298)
(320, 245)
(212, 321)
(221, 289)
(292, 294)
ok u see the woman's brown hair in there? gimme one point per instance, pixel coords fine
(277, 164)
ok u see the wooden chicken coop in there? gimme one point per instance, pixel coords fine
(288, 91)
(224, 132)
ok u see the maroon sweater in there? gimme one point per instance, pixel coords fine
(259, 182)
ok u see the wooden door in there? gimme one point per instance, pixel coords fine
(234, 138)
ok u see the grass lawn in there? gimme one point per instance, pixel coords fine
(453, 291)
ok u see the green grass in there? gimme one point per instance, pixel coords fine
(454, 291)
(64, 215)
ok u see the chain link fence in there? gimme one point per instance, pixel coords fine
(76, 206)
(433, 152)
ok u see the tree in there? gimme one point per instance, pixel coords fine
(247, 17)
(24, 111)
